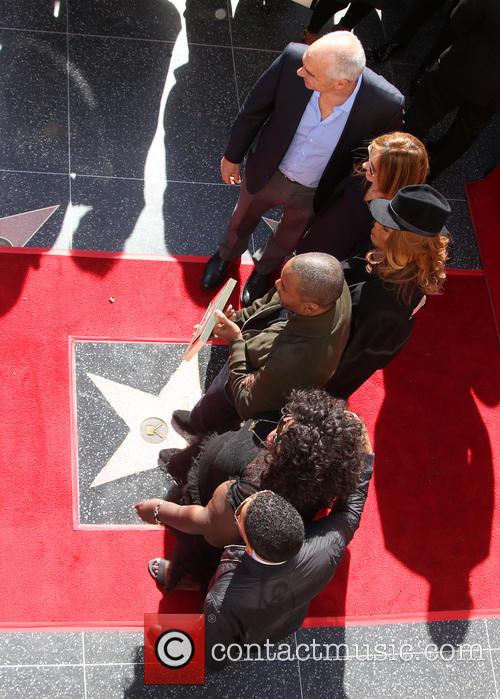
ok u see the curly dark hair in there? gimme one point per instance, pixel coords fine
(319, 457)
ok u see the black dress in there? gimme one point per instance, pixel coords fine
(202, 468)
(380, 325)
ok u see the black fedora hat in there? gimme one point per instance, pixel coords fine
(418, 208)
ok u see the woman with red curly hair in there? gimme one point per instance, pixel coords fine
(394, 160)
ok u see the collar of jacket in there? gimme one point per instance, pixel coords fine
(303, 326)
(312, 326)
(237, 553)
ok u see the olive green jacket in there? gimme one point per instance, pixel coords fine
(301, 352)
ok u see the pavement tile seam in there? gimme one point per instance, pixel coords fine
(82, 636)
(17, 667)
(68, 101)
(235, 76)
(133, 179)
(491, 656)
(135, 38)
(140, 179)
(28, 29)
(34, 172)
(108, 177)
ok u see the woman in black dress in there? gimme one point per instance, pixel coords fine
(389, 285)
(314, 456)
(343, 229)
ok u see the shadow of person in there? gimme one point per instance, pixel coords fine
(136, 687)
(106, 224)
(98, 266)
(120, 209)
(434, 475)
(14, 268)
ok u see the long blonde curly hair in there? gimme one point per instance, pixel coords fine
(408, 260)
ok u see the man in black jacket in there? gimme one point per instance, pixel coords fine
(252, 600)
(299, 127)
(466, 76)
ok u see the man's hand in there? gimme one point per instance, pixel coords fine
(230, 171)
(146, 508)
(230, 313)
(225, 328)
(249, 381)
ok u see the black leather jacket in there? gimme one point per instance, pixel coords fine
(250, 602)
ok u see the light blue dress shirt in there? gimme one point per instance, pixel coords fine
(315, 140)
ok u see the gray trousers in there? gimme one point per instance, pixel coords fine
(298, 210)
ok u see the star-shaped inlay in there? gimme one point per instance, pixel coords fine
(271, 222)
(148, 417)
(18, 229)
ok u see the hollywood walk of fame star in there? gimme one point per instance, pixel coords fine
(148, 417)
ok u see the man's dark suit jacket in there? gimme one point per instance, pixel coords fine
(273, 110)
(250, 602)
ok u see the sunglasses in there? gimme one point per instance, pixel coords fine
(370, 169)
(239, 509)
(282, 422)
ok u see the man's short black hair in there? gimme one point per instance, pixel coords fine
(273, 528)
(321, 277)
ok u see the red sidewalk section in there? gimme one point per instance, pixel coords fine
(429, 538)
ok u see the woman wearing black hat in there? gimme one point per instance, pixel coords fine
(387, 287)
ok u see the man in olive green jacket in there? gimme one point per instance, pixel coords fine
(291, 338)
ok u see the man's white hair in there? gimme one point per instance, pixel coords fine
(344, 52)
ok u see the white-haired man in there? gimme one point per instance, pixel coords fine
(299, 127)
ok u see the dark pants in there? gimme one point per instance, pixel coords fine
(297, 212)
(433, 100)
(325, 9)
(418, 14)
(215, 411)
(192, 556)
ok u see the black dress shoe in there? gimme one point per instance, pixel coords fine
(256, 286)
(383, 52)
(164, 457)
(182, 424)
(174, 494)
(215, 272)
